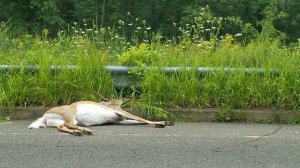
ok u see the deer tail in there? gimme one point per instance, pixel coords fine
(39, 123)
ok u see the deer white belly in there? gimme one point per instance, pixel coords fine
(91, 114)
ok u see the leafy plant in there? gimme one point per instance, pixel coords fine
(139, 56)
(188, 70)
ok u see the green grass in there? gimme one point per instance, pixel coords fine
(185, 89)
(46, 88)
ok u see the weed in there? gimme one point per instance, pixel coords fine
(294, 122)
(226, 82)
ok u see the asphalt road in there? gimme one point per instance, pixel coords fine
(183, 145)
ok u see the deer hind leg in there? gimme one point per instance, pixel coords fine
(68, 115)
(68, 130)
(70, 125)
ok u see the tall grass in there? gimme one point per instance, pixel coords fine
(93, 49)
(277, 87)
(46, 87)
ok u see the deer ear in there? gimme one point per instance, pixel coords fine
(116, 102)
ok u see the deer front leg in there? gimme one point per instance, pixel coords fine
(159, 124)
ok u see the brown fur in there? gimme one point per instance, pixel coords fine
(69, 111)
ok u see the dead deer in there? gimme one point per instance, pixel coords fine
(75, 117)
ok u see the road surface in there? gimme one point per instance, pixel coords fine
(183, 145)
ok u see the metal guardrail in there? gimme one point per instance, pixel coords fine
(121, 76)
(201, 70)
(126, 69)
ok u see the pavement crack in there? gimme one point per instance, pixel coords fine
(274, 132)
(263, 136)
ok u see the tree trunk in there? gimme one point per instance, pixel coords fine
(153, 14)
(97, 12)
(103, 14)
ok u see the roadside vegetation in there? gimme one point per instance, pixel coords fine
(133, 43)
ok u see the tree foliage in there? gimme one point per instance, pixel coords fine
(31, 16)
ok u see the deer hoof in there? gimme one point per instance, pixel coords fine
(87, 132)
(159, 125)
(77, 133)
(169, 123)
